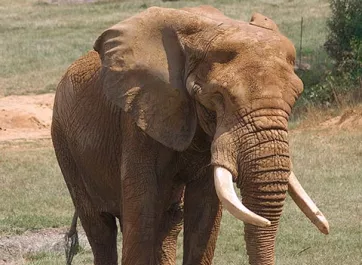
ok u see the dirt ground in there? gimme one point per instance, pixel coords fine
(29, 117)
(25, 117)
(15, 249)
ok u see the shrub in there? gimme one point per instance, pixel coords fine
(344, 41)
(340, 83)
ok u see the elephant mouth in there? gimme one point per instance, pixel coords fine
(226, 193)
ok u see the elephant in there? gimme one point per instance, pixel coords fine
(155, 125)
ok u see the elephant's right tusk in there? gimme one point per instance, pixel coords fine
(226, 193)
(307, 206)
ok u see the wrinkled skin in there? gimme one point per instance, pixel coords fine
(140, 122)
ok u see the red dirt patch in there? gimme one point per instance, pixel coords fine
(25, 117)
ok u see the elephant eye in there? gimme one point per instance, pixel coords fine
(218, 99)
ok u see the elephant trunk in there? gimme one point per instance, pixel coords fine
(260, 166)
(267, 202)
(263, 181)
(260, 244)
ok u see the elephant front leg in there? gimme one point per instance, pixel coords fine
(202, 216)
(170, 226)
(150, 230)
(140, 222)
(147, 168)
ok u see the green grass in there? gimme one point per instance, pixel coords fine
(328, 166)
(39, 40)
(33, 195)
(327, 163)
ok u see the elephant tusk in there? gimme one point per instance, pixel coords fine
(307, 206)
(226, 193)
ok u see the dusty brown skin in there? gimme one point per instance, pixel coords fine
(165, 96)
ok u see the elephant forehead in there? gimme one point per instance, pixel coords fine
(259, 61)
(260, 43)
(253, 70)
(246, 81)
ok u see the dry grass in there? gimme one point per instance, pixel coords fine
(40, 40)
(33, 195)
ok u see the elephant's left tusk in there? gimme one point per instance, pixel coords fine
(307, 206)
(226, 193)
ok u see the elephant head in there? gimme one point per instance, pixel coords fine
(172, 70)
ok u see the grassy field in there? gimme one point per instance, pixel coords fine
(327, 163)
(39, 40)
(33, 195)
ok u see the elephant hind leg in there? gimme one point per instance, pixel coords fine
(100, 228)
(101, 231)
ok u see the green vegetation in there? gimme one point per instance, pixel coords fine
(326, 163)
(338, 80)
(344, 42)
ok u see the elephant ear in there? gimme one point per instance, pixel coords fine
(262, 21)
(143, 66)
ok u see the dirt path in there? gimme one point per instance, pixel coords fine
(25, 117)
(14, 249)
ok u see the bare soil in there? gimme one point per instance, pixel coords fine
(29, 117)
(14, 250)
(25, 117)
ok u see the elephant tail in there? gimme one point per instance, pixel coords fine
(71, 240)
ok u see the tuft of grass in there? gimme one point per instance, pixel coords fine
(40, 40)
(309, 115)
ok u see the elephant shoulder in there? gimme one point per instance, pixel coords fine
(84, 71)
